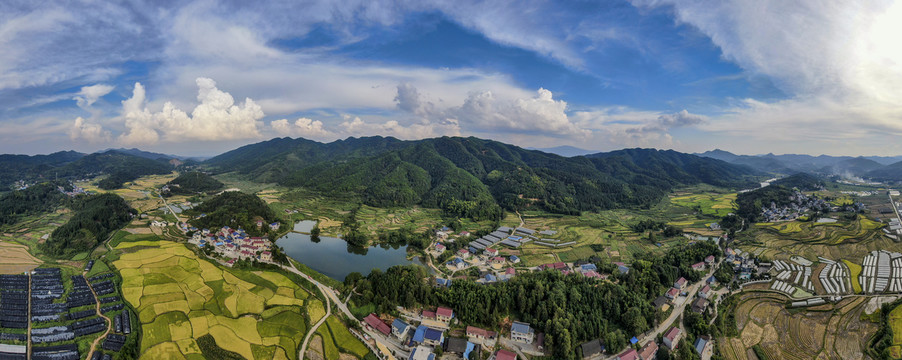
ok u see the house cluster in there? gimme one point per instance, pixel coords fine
(744, 264)
(583, 268)
(430, 333)
(76, 190)
(799, 204)
(493, 266)
(234, 244)
(274, 226)
(648, 351)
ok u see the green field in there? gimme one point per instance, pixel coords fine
(180, 297)
(712, 204)
(844, 239)
(854, 271)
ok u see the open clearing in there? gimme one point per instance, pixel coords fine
(180, 297)
(16, 258)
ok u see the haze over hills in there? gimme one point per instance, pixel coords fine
(871, 167)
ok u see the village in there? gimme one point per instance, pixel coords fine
(232, 244)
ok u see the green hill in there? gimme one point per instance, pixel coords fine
(70, 165)
(472, 177)
(193, 182)
(234, 209)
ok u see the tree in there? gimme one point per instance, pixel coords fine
(314, 233)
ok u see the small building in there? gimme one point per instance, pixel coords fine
(480, 333)
(621, 267)
(592, 348)
(399, 328)
(704, 347)
(266, 256)
(464, 253)
(376, 324)
(709, 260)
(698, 266)
(522, 332)
(672, 293)
(629, 354)
(649, 351)
(680, 283)
(672, 338)
(505, 355)
(460, 347)
(444, 314)
(699, 305)
(660, 302)
(705, 291)
(491, 252)
(433, 337)
(274, 226)
(514, 259)
(440, 247)
(442, 282)
(421, 353)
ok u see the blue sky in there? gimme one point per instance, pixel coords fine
(199, 78)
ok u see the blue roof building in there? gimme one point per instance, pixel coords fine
(587, 267)
(399, 328)
(634, 340)
(443, 282)
(419, 335)
(490, 278)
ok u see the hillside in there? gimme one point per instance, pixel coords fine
(192, 182)
(469, 176)
(891, 172)
(234, 209)
(95, 218)
(72, 165)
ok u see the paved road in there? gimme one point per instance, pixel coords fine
(677, 311)
(313, 329)
(330, 294)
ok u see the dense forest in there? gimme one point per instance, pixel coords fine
(234, 209)
(475, 178)
(94, 218)
(192, 182)
(569, 309)
(801, 181)
(35, 199)
(71, 165)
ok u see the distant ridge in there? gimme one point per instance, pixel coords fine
(564, 150)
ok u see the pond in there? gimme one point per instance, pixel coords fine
(304, 226)
(334, 258)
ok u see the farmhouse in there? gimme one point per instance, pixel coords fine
(698, 266)
(680, 283)
(505, 355)
(629, 354)
(421, 353)
(592, 348)
(399, 328)
(699, 305)
(672, 293)
(375, 323)
(461, 347)
(522, 332)
(672, 337)
(444, 314)
(704, 347)
(705, 291)
(648, 351)
(475, 333)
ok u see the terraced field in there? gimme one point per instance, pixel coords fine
(179, 298)
(820, 332)
(840, 240)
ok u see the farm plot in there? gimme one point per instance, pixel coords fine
(821, 332)
(718, 205)
(180, 297)
(16, 259)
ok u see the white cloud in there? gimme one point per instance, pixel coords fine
(840, 63)
(302, 127)
(354, 126)
(89, 95)
(92, 133)
(217, 117)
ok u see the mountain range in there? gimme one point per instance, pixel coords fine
(473, 177)
(881, 168)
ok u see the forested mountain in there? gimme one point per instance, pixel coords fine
(73, 165)
(882, 168)
(891, 172)
(234, 209)
(95, 218)
(192, 182)
(35, 199)
(471, 177)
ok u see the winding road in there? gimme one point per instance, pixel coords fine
(314, 327)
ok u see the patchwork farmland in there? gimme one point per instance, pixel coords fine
(181, 298)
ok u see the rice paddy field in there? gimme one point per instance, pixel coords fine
(895, 323)
(712, 204)
(820, 332)
(180, 297)
(16, 258)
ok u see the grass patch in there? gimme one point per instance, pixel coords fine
(854, 272)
